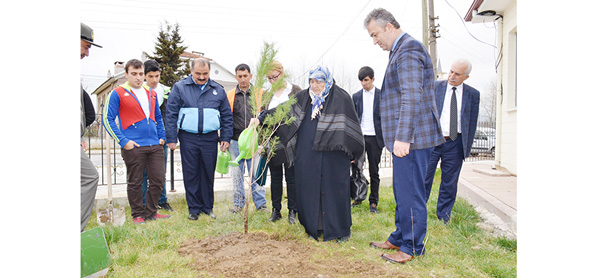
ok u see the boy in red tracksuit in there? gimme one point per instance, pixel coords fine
(141, 134)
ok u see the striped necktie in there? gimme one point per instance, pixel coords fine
(453, 116)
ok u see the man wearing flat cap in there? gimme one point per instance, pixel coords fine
(89, 174)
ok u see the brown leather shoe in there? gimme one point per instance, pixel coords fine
(399, 257)
(384, 245)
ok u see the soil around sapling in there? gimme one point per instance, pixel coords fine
(261, 255)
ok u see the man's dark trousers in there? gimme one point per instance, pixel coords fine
(411, 209)
(451, 154)
(163, 194)
(374, 157)
(138, 159)
(198, 162)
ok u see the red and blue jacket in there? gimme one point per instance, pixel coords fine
(132, 123)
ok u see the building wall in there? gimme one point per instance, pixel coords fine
(222, 76)
(506, 152)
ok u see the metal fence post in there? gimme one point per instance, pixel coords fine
(172, 171)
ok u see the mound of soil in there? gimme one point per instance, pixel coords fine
(261, 255)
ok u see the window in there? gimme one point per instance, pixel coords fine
(512, 69)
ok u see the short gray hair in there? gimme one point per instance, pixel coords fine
(381, 17)
(465, 62)
(201, 62)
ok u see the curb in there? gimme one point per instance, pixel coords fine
(220, 195)
(477, 196)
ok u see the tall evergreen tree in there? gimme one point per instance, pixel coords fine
(169, 47)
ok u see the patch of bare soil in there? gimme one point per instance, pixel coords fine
(261, 255)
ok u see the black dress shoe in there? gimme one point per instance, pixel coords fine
(275, 215)
(292, 217)
(193, 216)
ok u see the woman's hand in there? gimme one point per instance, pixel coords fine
(254, 122)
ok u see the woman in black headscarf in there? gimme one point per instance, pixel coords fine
(323, 139)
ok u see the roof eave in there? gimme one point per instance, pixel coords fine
(474, 7)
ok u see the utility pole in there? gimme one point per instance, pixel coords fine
(425, 22)
(433, 35)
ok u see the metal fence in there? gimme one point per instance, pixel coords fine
(102, 157)
(484, 143)
(483, 149)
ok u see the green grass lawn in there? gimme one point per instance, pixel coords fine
(459, 249)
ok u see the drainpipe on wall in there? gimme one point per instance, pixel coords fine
(499, 93)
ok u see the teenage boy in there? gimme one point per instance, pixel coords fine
(141, 134)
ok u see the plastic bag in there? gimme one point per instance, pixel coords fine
(358, 184)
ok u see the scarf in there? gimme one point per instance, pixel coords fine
(338, 128)
(320, 74)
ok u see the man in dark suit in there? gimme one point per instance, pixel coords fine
(411, 129)
(458, 105)
(366, 102)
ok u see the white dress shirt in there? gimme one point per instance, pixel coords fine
(445, 118)
(366, 124)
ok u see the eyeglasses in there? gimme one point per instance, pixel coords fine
(271, 78)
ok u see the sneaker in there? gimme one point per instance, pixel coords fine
(373, 208)
(263, 208)
(139, 220)
(235, 209)
(157, 216)
(165, 206)
(210, 214)
(355, 204)
(343, 239)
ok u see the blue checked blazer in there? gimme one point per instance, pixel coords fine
(468, 113)
(408, 108)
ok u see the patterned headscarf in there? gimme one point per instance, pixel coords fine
(320, 74)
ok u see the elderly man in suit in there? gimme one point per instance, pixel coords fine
(458, 105)
(411, 130)
(366, 102)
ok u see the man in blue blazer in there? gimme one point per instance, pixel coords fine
(411, 129)
(366, 102)
(459, 138)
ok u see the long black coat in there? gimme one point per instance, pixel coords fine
(322, 184)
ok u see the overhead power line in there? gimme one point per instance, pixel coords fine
(336, 40)
(465, 25)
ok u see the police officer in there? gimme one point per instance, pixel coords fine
(196, 110)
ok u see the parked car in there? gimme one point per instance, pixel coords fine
(484, 142)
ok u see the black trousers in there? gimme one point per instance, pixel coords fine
(277, 185)
(374, 157)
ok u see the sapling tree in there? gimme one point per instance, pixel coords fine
(260, 97)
